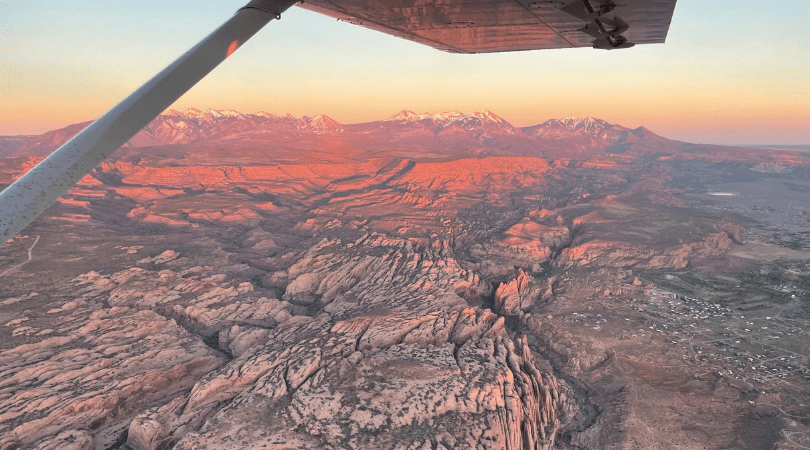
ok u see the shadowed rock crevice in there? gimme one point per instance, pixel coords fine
(212, 341)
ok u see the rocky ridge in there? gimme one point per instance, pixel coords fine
(373, 341)
(85, 381)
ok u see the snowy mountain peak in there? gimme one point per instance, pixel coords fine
(446, 116)
(319, 124)
(214, 113)
(195, 126)
(488, 116)
(480, 121)
(591, 124)
(485, 121)
(190, 113)
(323, 118)
(407, 116)
(208, 115)
(583, 127)
(410, 116)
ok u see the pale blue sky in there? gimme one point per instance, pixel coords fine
(730, 72)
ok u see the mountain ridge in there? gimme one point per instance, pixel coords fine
(405, 133)
(196, 126)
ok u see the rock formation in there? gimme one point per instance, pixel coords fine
(424, 296)
(388, 346)
(392, 350)
(94, 373)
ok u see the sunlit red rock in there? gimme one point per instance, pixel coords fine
(416, 282)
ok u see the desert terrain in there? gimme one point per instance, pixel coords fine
(428, 281)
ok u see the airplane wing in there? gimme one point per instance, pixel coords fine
(39, 188)
(481, 26)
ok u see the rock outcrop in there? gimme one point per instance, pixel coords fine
(393, 358)
(373, 344)
(95, 373)
(519, 294)
(349, 387)
(484, 394)
(599, 253)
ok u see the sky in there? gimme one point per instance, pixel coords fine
(731, 71)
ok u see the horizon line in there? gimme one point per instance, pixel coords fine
(485, 110)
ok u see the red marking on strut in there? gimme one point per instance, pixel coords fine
(232, 48)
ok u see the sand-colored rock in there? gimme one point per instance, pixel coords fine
(97, 371)
(67, 440)
(484, 394)
(518, 294)
(381, 356)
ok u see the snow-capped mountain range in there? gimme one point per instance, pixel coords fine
(453, 129)
(410, 116)
(444, 119)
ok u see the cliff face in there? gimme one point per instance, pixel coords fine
(604, 253)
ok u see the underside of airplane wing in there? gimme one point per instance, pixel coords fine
(481, 26)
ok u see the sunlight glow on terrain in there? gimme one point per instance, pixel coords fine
(709, 83)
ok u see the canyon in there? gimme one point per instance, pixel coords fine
(428, 281)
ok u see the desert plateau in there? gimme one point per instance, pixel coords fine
(425, 282)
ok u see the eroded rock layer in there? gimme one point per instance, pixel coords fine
(372, 344)
(94, 374)
(422, 298)
(393, 355)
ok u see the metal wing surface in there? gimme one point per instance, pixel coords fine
(481, 26)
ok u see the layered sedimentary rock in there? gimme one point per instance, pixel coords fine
(526, 243)
(602, 253)
(346, 386)
(393, 358)
(207, 303)
(83, 383)
(345, 304)
(481, 394)
(371, 343)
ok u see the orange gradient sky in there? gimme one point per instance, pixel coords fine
(733, 72)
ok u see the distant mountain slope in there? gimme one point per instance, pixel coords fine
(9, 144)
(45, 143)
(194, 126)
(408, 134)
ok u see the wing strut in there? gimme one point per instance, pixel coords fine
(27, 197)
